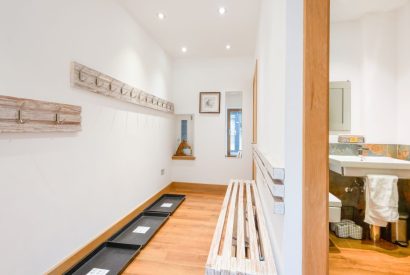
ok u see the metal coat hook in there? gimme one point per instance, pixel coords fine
(98, 83)
(81, 76)
(123, 91)
(20, 117)
(133, 94)
(112, 87)
(58, 119)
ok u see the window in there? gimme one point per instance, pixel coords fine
(184, 130)
(234, 117)
(233, 107)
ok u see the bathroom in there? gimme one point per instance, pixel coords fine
(369, 76)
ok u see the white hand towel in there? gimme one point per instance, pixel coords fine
(382, 200)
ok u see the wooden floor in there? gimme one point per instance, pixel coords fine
(182, 245)
(348, 256)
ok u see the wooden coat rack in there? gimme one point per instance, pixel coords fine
(19, 115)
(97, 82)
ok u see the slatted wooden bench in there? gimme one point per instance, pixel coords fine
(240, 243)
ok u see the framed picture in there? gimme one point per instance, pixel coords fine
(210, 102)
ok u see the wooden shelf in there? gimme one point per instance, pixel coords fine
(183, 157)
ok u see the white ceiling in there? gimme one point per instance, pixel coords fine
(344, 10)
(197, 25)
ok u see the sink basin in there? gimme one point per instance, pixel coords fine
(356, 166)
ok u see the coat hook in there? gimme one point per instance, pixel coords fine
(81, 76)
(123, 90)
(112, 87)
(133, 94)
(98, 82)
(58, 119)
(20, 117)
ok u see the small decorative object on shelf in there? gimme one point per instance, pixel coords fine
(184, 149)
(184, 152)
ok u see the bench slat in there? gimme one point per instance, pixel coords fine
(270, 265)
(213, 253)
(241, 237)
(227, 247)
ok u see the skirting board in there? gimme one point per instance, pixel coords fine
(71, 260)
(200, 187)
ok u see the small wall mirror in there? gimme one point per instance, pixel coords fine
(339, 106)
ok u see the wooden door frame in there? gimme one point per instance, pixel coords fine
(316, 137)
(254, 114)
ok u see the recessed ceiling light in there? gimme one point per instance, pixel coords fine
(161, 16)
(228, 47)
(184, 49)
(222, 10)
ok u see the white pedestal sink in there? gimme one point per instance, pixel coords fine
(357, 166)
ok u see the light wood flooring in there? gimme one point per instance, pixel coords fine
(348, 256)
(182, 245)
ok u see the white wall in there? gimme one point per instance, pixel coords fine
(191, 76)
(233, 100)
(280, 97)
(365, 52)
(346, 64)
(379, 77)
(270, 54)
(292, 236)
(403, 74)
(59, 191)
(271, 73)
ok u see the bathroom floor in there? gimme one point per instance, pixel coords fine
(182, 245)
(348, 256)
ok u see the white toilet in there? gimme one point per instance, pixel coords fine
(335, 208)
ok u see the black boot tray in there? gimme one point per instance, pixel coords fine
(141, 229)
(108, 258)
(167, 203)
